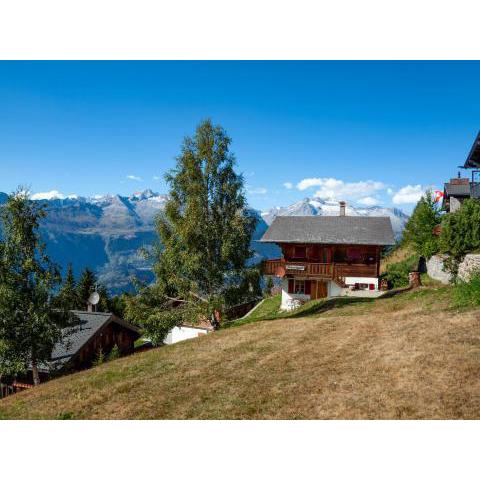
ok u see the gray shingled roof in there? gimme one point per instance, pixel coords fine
(454, 190)
(336, 230)
(75, 337)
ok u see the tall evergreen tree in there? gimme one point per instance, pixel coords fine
(104, 303)
(86, 285)
(419, 230)
(29, 325)
(205, 234)
(67, 297)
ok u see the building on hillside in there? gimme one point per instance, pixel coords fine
(90, 333)
(327, 256)
(458, 189)
(187, 331)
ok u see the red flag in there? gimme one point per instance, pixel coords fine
(438, 195)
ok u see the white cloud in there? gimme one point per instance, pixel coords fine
(134, 177)
(257, 191)
(368, 201)
(409, 194)
(51, 195)
(335, 189)
(288, 185)
(390, 191)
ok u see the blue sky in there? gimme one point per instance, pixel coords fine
(367, 132)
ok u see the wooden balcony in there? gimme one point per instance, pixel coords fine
(279, 268)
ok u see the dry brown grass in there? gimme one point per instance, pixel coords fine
(398, 255)
(392, 358)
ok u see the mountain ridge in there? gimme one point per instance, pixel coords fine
(107, 232)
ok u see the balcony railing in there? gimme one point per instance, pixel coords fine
(280, 267)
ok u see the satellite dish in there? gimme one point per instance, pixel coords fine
(94, 298)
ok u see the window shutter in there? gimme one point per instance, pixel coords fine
(290, 285)
(307, 287)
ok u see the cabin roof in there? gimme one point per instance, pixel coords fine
(457, 190)
(85, 326)
(344, 230)
(473, 158)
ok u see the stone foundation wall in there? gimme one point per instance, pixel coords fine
(435, 269)
(470, 263)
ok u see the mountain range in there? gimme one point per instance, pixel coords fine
(106, 233)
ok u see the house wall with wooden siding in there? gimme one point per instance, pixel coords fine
(338, 266)
(111, 335)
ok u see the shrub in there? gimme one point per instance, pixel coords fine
(397, 273)
(268, 287)
(100, 358)
(467, 294)
(460, 233)
(114, 353)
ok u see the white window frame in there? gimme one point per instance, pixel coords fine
(301, 285)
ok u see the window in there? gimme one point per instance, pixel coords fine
(300, 286)
(354, 254)
(299, 252)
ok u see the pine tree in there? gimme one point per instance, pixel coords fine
(205, 234)
(67, 297)
(86, 285)
(104, 303)
(29, 325)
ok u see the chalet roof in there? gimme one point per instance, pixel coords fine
(473, 158)
(457, 190)
(86, 325)
(346, 230)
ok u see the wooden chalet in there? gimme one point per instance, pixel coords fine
(90, 333)
(326, 256)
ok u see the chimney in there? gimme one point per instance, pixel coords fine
(342, 208)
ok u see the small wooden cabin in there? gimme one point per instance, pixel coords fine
(326, 256)
(90, 333)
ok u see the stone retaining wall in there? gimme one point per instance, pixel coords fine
(470, 263)
(435, 269)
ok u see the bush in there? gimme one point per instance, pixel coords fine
(100, 358)
(460, 233)
(397, 273)
(114, 353)
(467, 294)
(268, 287)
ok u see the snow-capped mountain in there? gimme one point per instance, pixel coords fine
(319, 206)
(106, 233)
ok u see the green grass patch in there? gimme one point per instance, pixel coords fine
(428, 281)
(467, 294)
(433, 296)
(269, 308)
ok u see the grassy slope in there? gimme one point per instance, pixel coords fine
(397, 255)
(407, 356)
